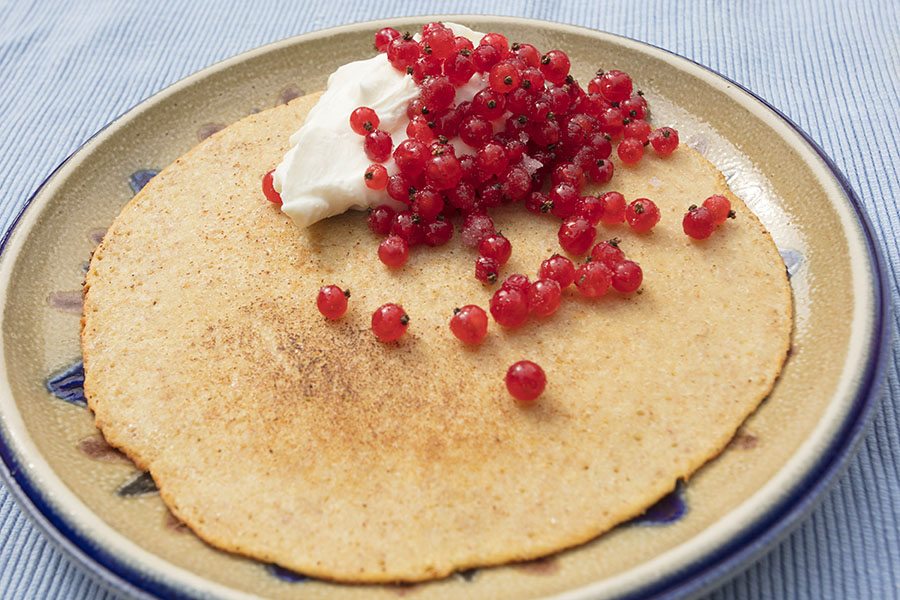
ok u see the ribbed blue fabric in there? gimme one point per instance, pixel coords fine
(833, 66)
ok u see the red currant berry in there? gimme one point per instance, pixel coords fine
(332, 301)
(416, 108)
(426, 66)
(378, 146)
(428, 203)
(393, 251)
(528, 53)
(363, 120)
(440, 40)
(532, 81)
(408, 226)
(489, 104)
(576, 235)
(418, 129)
(568, 173)
(720, 206)
(664, 140)
(509, 307)
(376, 177)
(564, 199)
(475, 228)
(544, 297)
(462, 196)
(486, 269)
(385, 36)
(593, 279)
(525, 381)
(438, 232)
(545, 133)
(491, 159)
(590, 208)
(642, 214)
(515, 183)
(499, 42)
(459, 69)
(600, 144)
(610, 122)
(558, 268)
(608, 253)
(504, 77)
(443, 170)
(437, 93)
(402, 52)
(380, 218)
(615, 86)
(389, 322)
(627, 277)
(602, 171)
(484, 57)
(410, 157)
(555, 66)
(537, 203)
(463, 43)
(699, 223)
(560, 100)
(516, 281)
(469, 324)
(268, 186)
(639, 130)
(613, 207)
(630, 151)
(635, 107)
(495, 246)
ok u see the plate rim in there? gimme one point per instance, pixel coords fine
(752, 541)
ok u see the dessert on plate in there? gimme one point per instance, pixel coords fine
(307, 441)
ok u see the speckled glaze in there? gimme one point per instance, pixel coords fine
(99, 508)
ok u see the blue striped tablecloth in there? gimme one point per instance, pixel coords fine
(833, 66)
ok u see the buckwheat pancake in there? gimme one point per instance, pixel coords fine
(277, 434)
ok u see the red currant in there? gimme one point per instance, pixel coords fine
(544, 297)
(443, 170)
(428, 203)
(608, 253)
(484, 57)
(389, 322)
(393, 251)
(664, 140)
(635, 107)
(378, 146)
(489, 104)
(630, 151)
(426, 66)
(491, 159)
(515, 183)
(525, 381)
(385, 36)
(486, 269)
(615, 86)
(590, 208)
(459, 69)
(528, 53)
(568, 173)
(332, 301)
(437, 93)
(380, 218)
(469, 323)
(558, 268)
(402, 52)
(475, 228)
(555, 66)
(699, 223)
(408, 226)
(610, 122)
(639, 130)
(376, 177)
(576, 235)
(613, 207)
(438, 232)
(564, 200)
(363, 120)
(627, 277)
(268, 186)
(498, 41)
(509, 307)
(720, 206)
(593, 278)
(504, 77)
(440, 40)
(495, 246)
(602, 171)
(642, 214)
(516, 282)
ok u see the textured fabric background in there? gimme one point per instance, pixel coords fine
(68, 68)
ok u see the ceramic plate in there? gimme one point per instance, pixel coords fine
(107, 515)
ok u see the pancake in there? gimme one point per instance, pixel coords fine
(274, 433)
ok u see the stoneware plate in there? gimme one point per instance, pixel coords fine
(107, 516)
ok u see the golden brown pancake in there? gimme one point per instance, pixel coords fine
(277, 434)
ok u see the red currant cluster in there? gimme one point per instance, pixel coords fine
(529, 123)
(700, 222)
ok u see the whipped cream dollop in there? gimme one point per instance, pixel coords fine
(322, 174)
